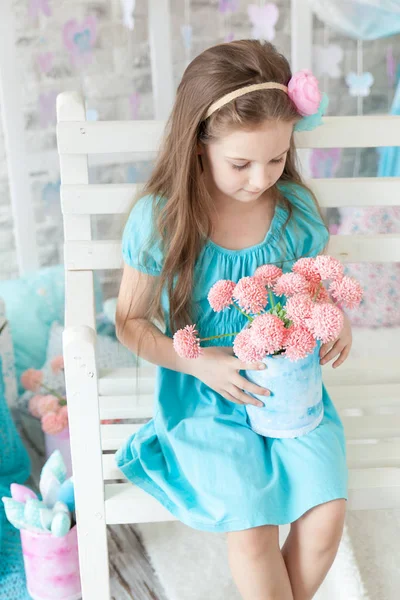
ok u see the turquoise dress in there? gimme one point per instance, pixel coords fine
(198, 455)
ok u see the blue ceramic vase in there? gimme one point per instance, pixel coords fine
(295, 406)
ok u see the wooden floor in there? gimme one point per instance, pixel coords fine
(131, 574)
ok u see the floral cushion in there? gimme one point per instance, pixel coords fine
(380, 306)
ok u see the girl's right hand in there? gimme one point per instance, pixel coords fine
(218, 368)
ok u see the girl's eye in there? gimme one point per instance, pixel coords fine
(275, 161)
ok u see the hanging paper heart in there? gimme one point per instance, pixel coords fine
(359, 85)
(45, 62)
(325, 162)
(263, 20)
(79, 40)
(186, 32)
(39, 6)
(226, 6)
(47, 108)
(134, 101)
(128, 7)
(327, 59)
(229, 37)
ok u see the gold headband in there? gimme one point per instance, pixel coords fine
(269, 85)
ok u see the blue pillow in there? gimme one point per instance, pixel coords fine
(33, 303)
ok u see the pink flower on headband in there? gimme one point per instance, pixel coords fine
(304, 92)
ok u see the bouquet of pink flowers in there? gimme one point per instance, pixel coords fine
(312, 311)
(50, 408)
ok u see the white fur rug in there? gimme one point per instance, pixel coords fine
(193, 565)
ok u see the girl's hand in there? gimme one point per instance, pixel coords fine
(341, 346)
(218, 368)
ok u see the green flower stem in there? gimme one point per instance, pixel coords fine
(62, 400)
(214, 337)
(243, 313)
(271, 298)
(317, 292)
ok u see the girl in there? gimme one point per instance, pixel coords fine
(224, 198)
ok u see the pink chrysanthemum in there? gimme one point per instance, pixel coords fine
(347, 290)
(299, 343)
(326, 322)
(251, 294)
(33, 405)
(186, 343)
(267, 333)
(57, 364)
(47, 404)
(32, 379)
(299, 308)
(329, 267)
(322, 296)
(307, 268)
(52, 423)
(290, 284)
(220, 295)
(268, 274)
(63, 415)
(245, 350)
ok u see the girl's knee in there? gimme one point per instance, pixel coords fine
(254, 542)
(320, 529)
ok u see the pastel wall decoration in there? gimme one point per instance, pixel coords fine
(47, 108)
(128, 7)
(327, 60)
(263, 20)
(79, 39)
(45, 62)
(38, 7)
(229, 37)
(324, 162)
(359, 85)
(228, 6)
(134, 102)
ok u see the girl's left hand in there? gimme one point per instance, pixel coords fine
(341, 346)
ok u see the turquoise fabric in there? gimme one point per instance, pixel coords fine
(360, 19)
(15, 467)
(198, 455)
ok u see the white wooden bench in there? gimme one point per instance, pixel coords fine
(358, 388)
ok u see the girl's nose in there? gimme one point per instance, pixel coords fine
(258, 180)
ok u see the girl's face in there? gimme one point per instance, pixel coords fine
(244, 164)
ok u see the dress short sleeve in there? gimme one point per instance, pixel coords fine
(307, 228)
(138, 249)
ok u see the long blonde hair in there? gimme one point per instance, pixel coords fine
(183, 221)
